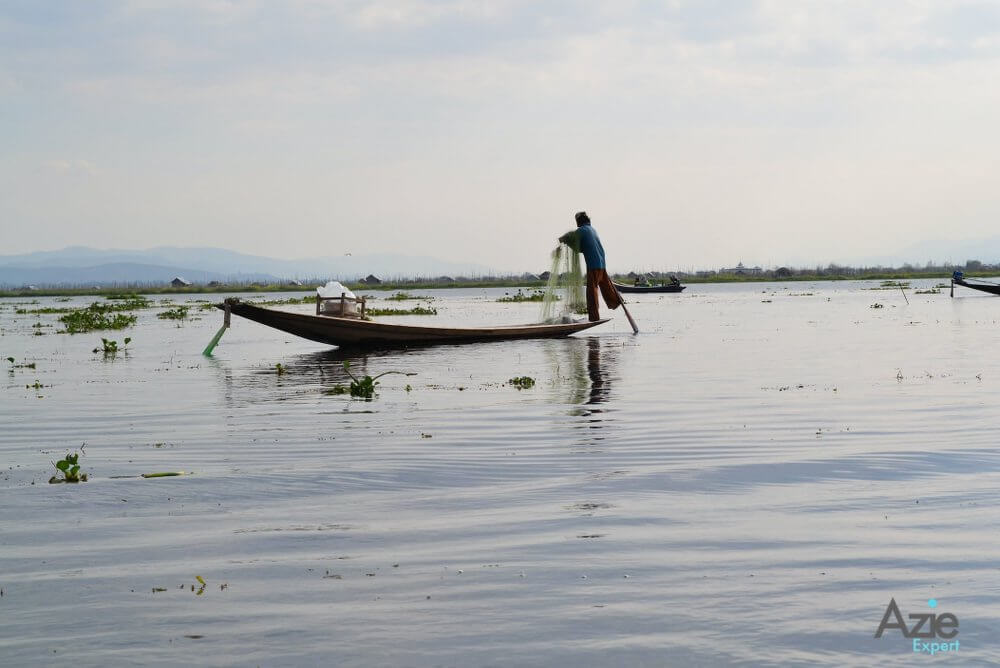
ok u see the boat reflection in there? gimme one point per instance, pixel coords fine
(580, 369)
(305, 374)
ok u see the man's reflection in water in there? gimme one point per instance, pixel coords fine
(593, 375)
(599, 385)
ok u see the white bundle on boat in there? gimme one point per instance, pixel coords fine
(332, 291)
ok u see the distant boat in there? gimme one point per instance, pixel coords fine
(672, 287)
(958, 278)
(338, 331)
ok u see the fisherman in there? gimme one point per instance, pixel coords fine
(584, 240)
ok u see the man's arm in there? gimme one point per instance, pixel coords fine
(571, 239)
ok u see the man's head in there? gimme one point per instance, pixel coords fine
(582, 219)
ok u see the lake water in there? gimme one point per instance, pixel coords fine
(748, 481)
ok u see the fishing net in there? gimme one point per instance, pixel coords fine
(565, 276)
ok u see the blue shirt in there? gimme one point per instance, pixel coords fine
(589, 244)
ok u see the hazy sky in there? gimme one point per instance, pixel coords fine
(697, 134)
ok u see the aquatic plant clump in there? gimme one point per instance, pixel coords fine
(70, 470)
(128, 302)
(97, 316)
(519, 296)
(110, 346)
(403, 296)
(179, 313)
(308, 299)
(47, 310)
(522, 382)
(363, 387)
(15, 365)
(416, 310)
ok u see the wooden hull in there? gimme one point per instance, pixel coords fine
(366, 333)
(642, 289)
(984, 287)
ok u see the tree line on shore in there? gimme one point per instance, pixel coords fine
(739, 273)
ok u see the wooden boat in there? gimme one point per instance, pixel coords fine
(339, 331)
(641, 289)
(958, 279)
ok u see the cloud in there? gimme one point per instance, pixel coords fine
(712, 114)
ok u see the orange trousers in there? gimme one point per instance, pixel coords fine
(598, 279)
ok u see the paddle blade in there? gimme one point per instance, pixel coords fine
(214, 342)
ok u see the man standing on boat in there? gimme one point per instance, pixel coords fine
(584, 240)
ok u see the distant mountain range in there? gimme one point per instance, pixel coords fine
(80, 265)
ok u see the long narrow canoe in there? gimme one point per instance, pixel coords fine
(649, 288)
(355, 332)
(991, 288)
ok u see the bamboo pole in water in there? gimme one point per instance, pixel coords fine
(631, 321)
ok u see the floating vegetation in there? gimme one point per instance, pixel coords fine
(519, 296)
(876, 305)
(100, 316)
(15, 365)
(364, 387)
(88, 321)
(930, 291)
(522, 382)
(800, 294)
(289, 300)
(70, 470)
(206, 307)
(110, 346)
(130, 303)
(416, 310)
(403, 296)
(129, 296)
(179, 313)
(162, 474)
(892, 285)
(45, 310)
(280, 368)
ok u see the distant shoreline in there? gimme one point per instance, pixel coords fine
(420, 284)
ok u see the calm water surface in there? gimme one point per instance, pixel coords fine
(748, 481)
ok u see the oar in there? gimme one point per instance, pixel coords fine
(218, 335)
(631, 321)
